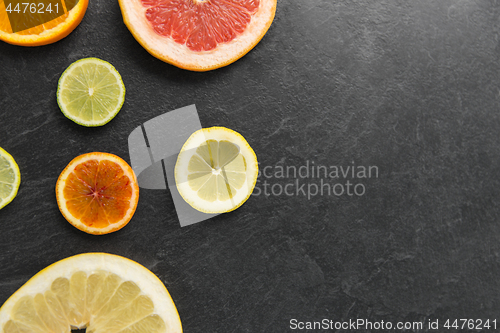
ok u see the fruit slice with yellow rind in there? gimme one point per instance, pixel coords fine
(10, 178)
(198, 35)
(216, 170)
(101, 292)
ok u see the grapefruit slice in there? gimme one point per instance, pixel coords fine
(97, 193)
(198, 35)
(101, 292)
(39, 23)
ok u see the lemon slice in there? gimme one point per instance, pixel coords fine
(101, 292)
(216, 170)
(90, 92)
(10, 178)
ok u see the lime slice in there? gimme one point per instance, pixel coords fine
(90, 92)
(10, 178)
(216, 170)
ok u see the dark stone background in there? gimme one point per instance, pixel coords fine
(412, 87)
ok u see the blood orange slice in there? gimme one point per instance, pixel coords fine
(198, 35)
(97, 193)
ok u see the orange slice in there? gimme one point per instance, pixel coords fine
(40, 24)
(97, 193)
(198, 35)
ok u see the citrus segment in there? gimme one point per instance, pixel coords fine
(23, 24)
(198, 35)
(97, 193)
(90, 92)
(201, 25)
(216, 170)
(100, 292)
(10, 178)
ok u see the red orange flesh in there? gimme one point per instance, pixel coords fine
(97, 193)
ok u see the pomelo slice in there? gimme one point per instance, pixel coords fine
(198, 35)
(216, 170)
(97, 193)
(41, 24)
(101, 292)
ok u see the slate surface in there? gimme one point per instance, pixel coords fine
(411, 87)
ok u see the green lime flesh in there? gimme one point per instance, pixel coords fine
(90, 92)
